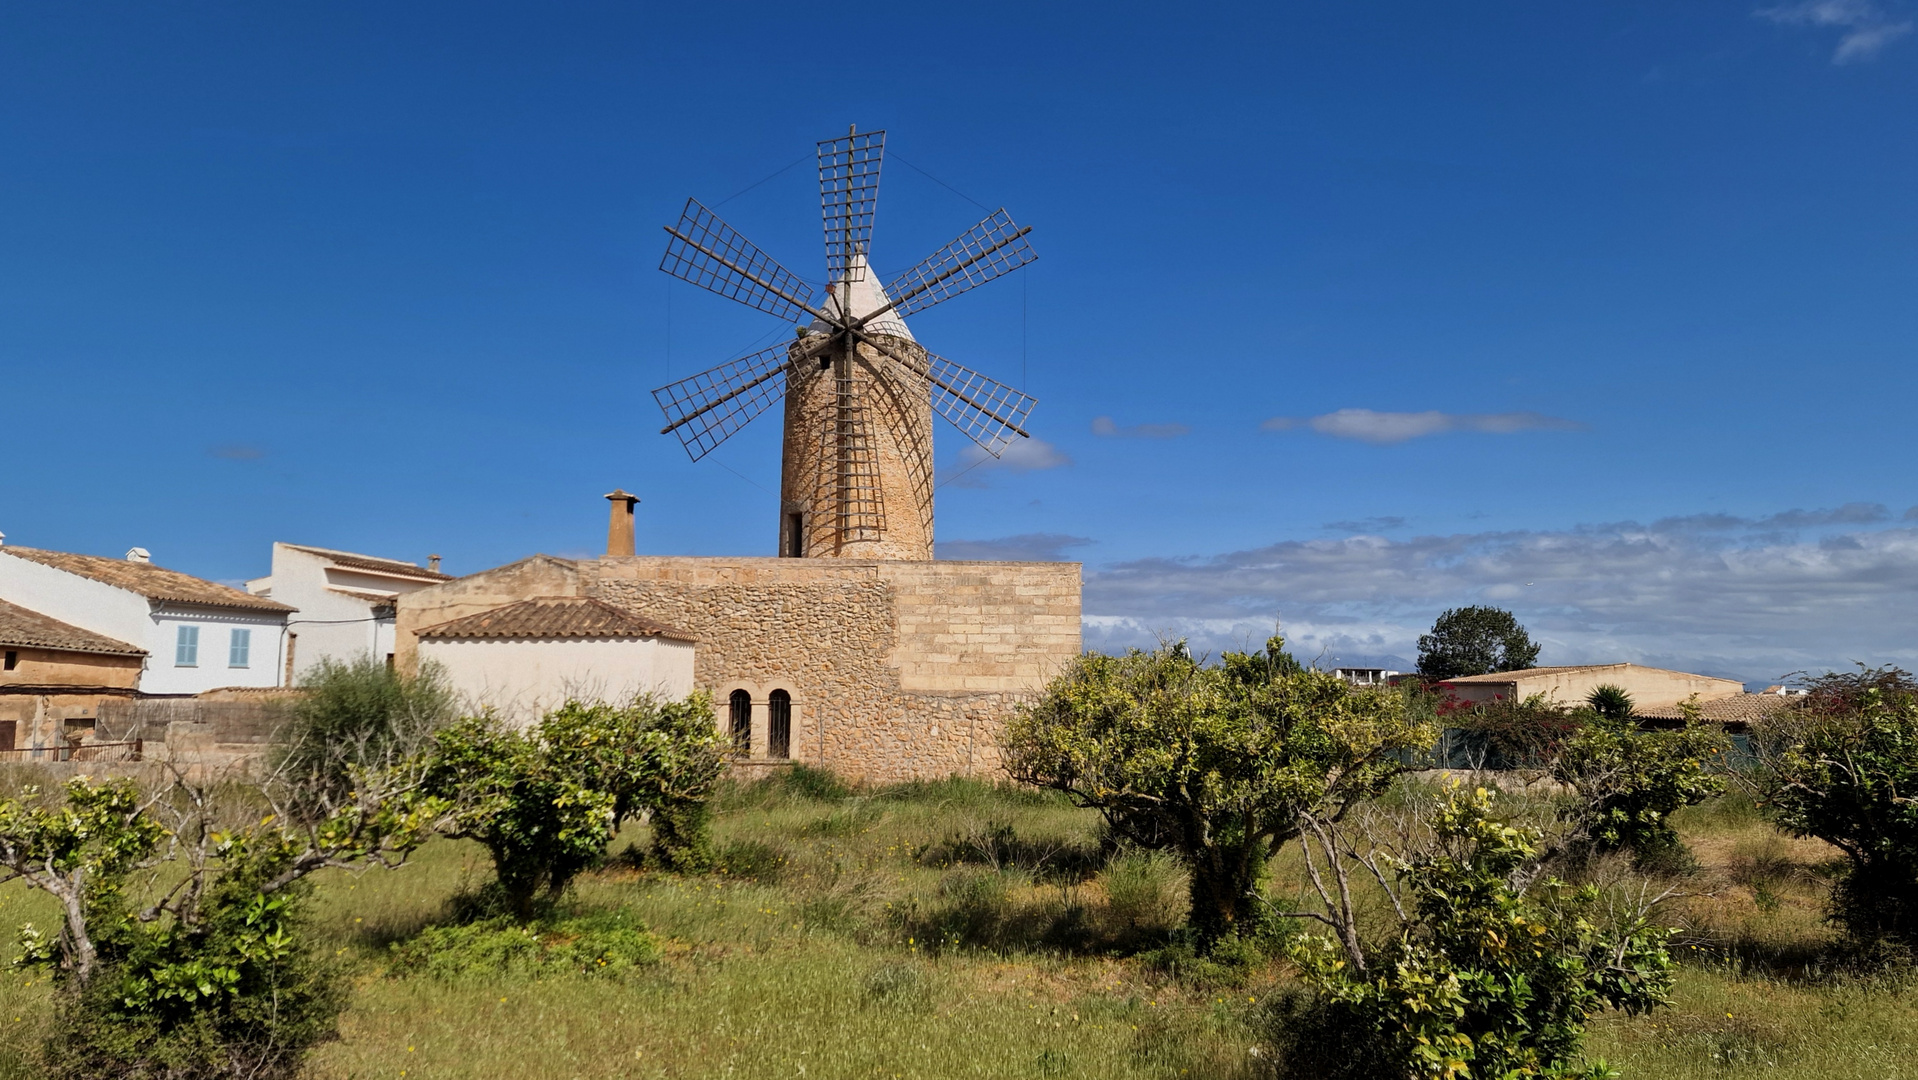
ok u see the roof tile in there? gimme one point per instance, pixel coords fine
(554, 617)
(148, 580)
(20, 626)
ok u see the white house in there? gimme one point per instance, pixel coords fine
(198, 635)
(526, 658)
(346, 602)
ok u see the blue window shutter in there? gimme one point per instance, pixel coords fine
(186, 649)
(240, 649)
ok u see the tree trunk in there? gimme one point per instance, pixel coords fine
(1223, 882)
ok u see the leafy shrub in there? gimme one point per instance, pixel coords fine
(1213, 765)
(1610, 702)
(1630, 782)
(1491, 975)
(1843, 770)
(1527, 734)
(546, 802)
(975, 908)
(361, 714)
(494, 947)
(213, 977)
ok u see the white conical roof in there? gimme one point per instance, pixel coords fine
(868, 296)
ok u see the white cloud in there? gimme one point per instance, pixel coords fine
(1106, 427)
(1745, 597)
(1867, 27)
(1021, 455)
(1382, 428)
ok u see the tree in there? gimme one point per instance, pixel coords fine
(1475, 641)
(199, 969)
(1630, 782)
(1843, 769)
(546, 802)
(1213, 764)
(1610, 702)
(1493, 972)
(362, 714)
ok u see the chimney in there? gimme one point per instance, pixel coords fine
(433, 563)
(3, 539)
(619, 528)
(139, 555)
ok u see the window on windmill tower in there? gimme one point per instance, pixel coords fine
(779, 724)
(741, 704)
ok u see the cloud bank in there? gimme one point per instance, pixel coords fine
(1752, 598)
(1021, 455)
(1866, 28)
(1383, 428)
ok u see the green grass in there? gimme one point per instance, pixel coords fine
(959, 930)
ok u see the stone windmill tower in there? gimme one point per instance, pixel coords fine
(856, 475)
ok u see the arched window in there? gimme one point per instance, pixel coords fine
(742, 721)
(779, 724)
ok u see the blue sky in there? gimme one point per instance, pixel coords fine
(1343, 313)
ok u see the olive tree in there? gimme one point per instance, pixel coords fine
(1212, 764)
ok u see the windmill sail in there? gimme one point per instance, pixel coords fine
(707, 408)
(712, 255)
(989, 249)
(849, 200)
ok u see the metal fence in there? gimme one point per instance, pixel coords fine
(128, 750)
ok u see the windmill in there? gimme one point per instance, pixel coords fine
(856, 474)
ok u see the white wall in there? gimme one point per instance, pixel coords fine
(83, 602)
(132, 618)
(212, 672)
(331, 624)
(523, 679)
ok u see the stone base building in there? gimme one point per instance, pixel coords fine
(880, 670)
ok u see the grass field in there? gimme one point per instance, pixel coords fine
(956, 930)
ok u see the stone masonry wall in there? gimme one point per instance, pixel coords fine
(896, 670)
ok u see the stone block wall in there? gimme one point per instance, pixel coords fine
(896, 670)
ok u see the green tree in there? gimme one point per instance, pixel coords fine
(1630, 782)
(1475, 641)
(1610, 702)
(1213, 764)
(546, 802)
(1493, 973)
(361, 714)
(210, 976)
(1844, 769)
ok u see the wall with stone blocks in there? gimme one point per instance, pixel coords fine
(896, 670)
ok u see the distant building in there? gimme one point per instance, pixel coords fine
(53, 676)
(528, 658)
(1651, 688)
(1367, 676)
(347, 603)
(196, 635)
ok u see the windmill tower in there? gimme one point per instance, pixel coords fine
(856, 476)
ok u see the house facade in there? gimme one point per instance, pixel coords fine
(525, 659)
(1650, 687)
(53, 677)
(196, 635)
(347, 603)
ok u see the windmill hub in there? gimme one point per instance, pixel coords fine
(857, 468)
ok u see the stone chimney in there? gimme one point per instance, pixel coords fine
(619, 528)
(433, 563)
